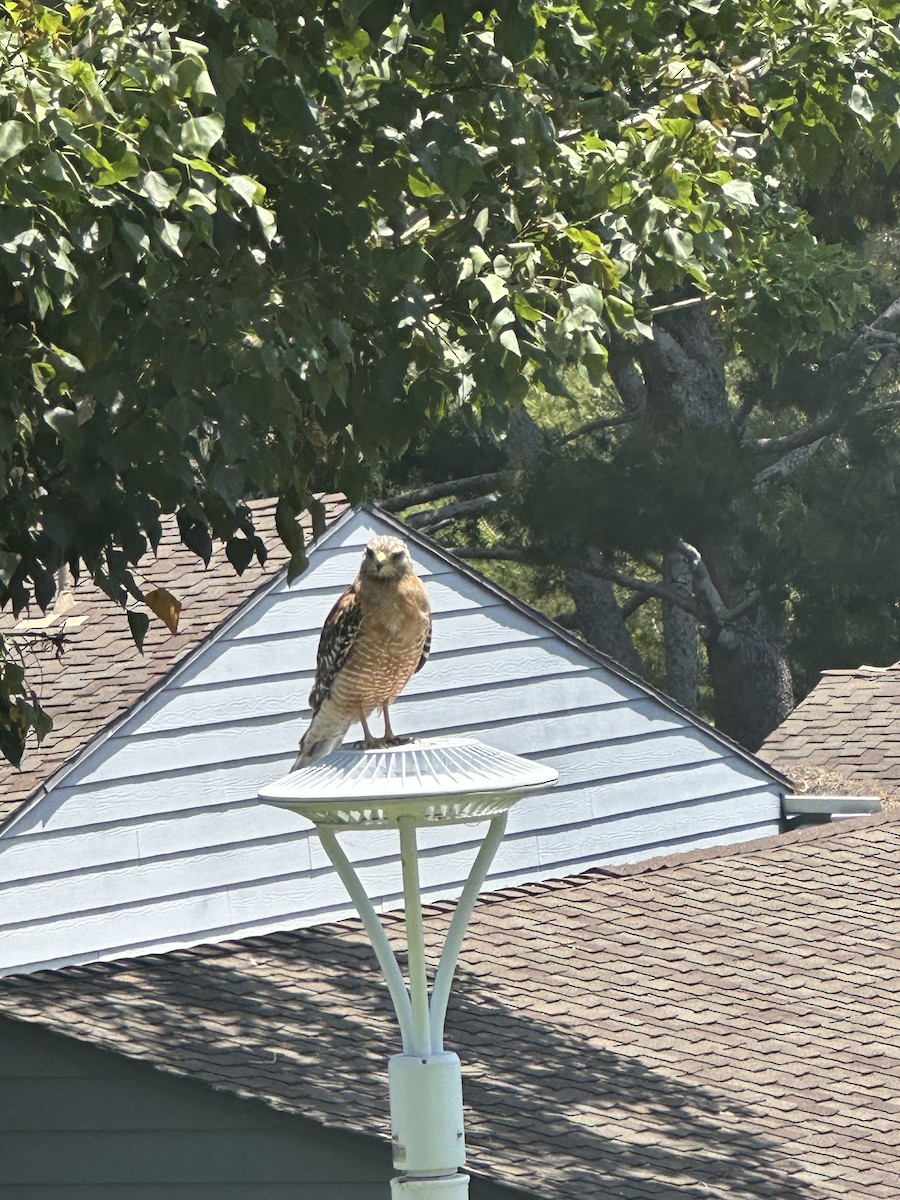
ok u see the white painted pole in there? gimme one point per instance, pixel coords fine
(425, 1081)
(433, 781)
(425, 1087)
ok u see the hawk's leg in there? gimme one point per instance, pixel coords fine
(390, 738)
(369, 742)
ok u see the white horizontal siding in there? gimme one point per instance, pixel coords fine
(90, 808)
(156, 838)
(232, 700)
(288, 902)
(246, 659)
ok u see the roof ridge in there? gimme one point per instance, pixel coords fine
(863, 669)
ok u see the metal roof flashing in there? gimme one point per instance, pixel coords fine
(443, 780)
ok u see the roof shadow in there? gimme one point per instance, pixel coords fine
(302, 1021)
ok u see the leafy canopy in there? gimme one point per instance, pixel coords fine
(257, 248)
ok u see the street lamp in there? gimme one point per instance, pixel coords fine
(439, 781)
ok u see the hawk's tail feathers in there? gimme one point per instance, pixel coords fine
(311, 750)
(324, 734)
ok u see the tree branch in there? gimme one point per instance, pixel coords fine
(433, 519)
(676, 305)
(593, 426)
(890, 316)
(494, 553)
(721, 614)
(880, 337)
(800, 437)
(739, 422)
(634, 602)
(626, 377)
(817, 430)
(702, 581)
(643, 587)
(647, 589)
(886, 363)
(473, 485)
(786, 465)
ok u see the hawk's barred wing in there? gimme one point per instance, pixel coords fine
(335, 643)
(426, 649)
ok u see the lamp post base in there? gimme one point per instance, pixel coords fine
(435, 1187)
(427, 1127)
(427, 1115)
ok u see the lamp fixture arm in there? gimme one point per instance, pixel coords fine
(379, 939)
(443, 979)
(415, 936)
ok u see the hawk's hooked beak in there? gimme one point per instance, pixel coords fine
(380, 559)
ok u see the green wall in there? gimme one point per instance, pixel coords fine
(78, 1123)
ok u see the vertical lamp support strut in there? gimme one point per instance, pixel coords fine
(425, 1080)
(415, 936)
(386, 958)
(433, 781)
(440, 992)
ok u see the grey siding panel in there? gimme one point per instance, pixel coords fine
(155, 839)
(115, 1102)
(78, 1122)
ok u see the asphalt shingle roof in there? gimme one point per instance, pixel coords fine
(848, 727)
(101, 674)
(722, 1025)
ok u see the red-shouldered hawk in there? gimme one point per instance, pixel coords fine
(373, 641)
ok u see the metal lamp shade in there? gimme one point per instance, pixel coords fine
(434, 781)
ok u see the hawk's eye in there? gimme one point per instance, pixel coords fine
(398, 554)
(370, 553)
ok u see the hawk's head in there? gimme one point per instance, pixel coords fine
(386, 558)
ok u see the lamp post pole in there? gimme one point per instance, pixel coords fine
(436, 782)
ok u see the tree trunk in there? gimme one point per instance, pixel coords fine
(751, 678)
(598, 616)
(680, 636)
(684, 376)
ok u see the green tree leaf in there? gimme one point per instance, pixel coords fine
(860, 102)
(159, 190)
(138, 623)
(14, 137)
(198, 135)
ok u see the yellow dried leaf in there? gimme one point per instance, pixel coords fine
(164, 605)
